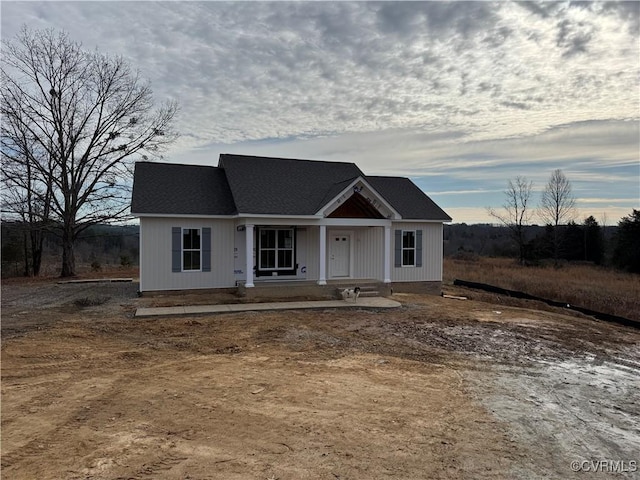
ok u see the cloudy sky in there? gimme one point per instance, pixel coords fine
(460, 96)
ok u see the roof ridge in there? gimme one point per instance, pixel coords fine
(387, 176)
(173, 164)
(342, 162)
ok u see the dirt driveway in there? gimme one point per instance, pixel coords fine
(437, 389)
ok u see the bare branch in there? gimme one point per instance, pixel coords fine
(517, 211)
(76, 120)
(557, 206)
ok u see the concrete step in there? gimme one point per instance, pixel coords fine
(369, 293)
(365, 291)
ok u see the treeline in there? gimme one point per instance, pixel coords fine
(617, 246)
(104, 246)
(98, 247)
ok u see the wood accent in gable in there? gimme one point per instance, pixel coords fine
(356, 206)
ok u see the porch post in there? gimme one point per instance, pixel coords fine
(387, 254)
(322, 279)
(249, 252)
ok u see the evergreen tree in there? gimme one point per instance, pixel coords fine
(593, 241)
(626, 254)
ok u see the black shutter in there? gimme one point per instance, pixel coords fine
(418, 248)
(176, 249)
(398, 248)
(206, 249)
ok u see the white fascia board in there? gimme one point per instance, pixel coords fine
(314, 221)
(181, 215)
(418, 220)
(349, 189)
(356, 222)
(248, 219)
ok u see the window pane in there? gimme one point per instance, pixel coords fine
(285, 239)
(191, 260)
(267, 238)
(267, 259)
(285, 259)
(408, 257)
(191, 239)
(408, 240)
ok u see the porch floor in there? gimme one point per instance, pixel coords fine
(371, 302)
(330, 281)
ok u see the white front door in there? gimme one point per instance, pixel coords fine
(339, 255)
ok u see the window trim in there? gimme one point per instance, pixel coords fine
(183, 250)
(413, 249)
(260, 271)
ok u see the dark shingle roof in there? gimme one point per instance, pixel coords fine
(283, 186)
(407, 199)
(262, 185)
(167, 188)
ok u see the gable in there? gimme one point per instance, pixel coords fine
(356, 206)
(370, 202)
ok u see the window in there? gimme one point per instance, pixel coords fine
(408, 248)
(276, 249)
(191, 249)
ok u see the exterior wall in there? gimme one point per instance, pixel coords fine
(155, 255)
(313, 253)
(431, 269)
(368, 253)
(228, 254)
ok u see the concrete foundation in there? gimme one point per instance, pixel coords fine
(309, 290)
(428, 288)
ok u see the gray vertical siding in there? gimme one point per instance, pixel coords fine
(228, 254)
(313, 255)
(431, 269)
(368, 252)
(367, 249)
(155, 255)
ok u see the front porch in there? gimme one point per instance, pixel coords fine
(326, 252)
(310, 289)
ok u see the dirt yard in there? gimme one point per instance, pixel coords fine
(437, 389)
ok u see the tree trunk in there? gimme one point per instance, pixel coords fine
(521, 244)
(68, 257)
(27, 270)
(37, 241)
(556, 245)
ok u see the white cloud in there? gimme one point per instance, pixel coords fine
(461, 95)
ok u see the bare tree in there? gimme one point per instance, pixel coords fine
(557, 206)
(516, 213)
(73, 123)
(26, 196)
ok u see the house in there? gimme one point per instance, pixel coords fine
(257, 221)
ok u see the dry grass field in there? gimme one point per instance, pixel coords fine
(600, 289)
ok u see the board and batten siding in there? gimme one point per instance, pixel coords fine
(156, 253)
(367, 248)
(368, 252)
(432, 249)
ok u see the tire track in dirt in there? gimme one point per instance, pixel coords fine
(162, 463)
